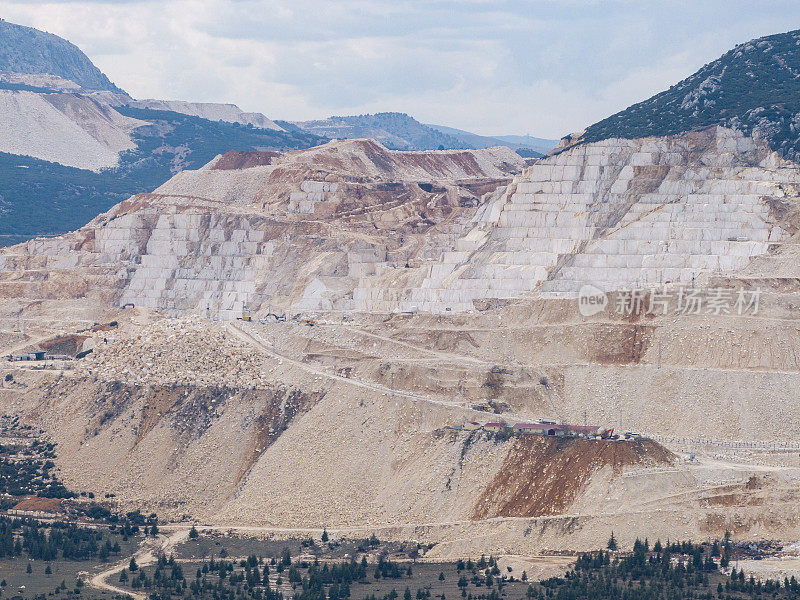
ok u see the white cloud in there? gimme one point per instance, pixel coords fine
(506, 66)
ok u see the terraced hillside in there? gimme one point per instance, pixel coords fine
(220, 239)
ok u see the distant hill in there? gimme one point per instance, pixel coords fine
(755, 88)
(213, 111)
(396, 131)
(473, 140)
(399, 131)
(542, 145)
(27, 50)
(538, 146)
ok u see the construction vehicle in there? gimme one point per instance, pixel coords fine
(278, 318)
(309, 322)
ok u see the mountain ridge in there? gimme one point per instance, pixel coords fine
(47, 53)
(395, 130)
(540, 146)
(754, 87)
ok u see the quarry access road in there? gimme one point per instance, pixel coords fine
(366, 530)
(148, 553)
(251, 339)
(432, 353)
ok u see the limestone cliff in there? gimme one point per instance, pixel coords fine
(352, 226)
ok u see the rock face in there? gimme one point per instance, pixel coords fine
(28, 50)
(616, 214)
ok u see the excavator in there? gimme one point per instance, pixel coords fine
(278, 318)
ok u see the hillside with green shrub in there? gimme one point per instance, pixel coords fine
(755, 88)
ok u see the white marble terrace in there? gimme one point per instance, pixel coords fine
(617, 214)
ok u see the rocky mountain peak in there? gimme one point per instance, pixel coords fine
(30, 51)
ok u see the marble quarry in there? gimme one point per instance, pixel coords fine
(353, 227)
(262, 230)
(617, 214)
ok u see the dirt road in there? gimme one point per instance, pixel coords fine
(148, 553)
(254, 339)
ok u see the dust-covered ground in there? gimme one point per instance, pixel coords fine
(354, 424)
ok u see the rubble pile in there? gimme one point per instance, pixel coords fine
(177, 351)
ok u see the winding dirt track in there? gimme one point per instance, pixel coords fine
(253, 339)
(148, 553)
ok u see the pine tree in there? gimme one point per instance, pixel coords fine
(612, 542)
(193, 533)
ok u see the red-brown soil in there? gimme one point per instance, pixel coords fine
(543, 475)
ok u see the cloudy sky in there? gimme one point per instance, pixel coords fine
(543, 67)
